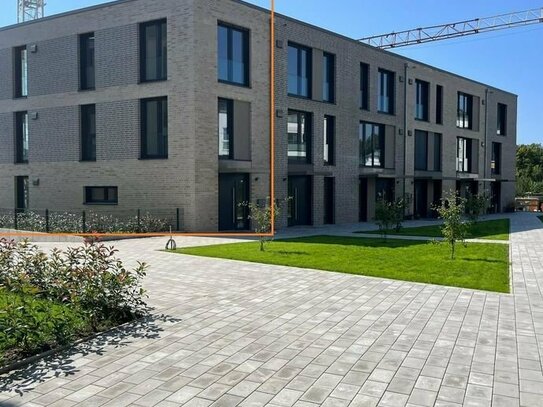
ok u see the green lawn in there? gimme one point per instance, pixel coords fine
(490, 229)
(482, 266)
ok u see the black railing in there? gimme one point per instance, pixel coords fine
(155, 220)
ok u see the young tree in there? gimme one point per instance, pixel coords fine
(400, 205)
(385, 215)
(261, 218)
(455, 228)
(477, 205)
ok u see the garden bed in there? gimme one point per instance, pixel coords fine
(483, 266)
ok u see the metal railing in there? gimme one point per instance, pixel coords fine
(95, 220)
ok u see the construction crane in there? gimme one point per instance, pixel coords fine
(455, 30)
(30, 10)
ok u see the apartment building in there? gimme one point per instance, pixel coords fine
(165, 104)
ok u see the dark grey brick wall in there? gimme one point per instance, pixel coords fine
(6, 73)
(7, 138)
(117, 130)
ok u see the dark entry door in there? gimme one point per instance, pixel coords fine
(299, 191)
(496, 196)
(436, 201)
(421, 199)
(363, 199)
(329, 201)
(233, 191)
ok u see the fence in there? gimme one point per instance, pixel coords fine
(92, 221)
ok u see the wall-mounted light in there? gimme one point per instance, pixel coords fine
(34, 115)
(279, 113)
(36, 182)
(409, 133)
(284, 179)
(33, 48)
(257, 178)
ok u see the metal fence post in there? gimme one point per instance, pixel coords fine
(15, 219)
(47, 221)
(178, 219)
(139, 221)
(83, 222)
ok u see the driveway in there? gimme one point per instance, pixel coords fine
(227, 333)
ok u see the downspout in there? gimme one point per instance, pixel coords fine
(485, 160)
(405, 130)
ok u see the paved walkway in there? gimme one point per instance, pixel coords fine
(229, 333)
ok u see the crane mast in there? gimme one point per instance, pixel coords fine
(455, 30)
(30, 10)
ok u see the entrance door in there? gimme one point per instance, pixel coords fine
(421, 199)
(436, 201)
(233, 191)
(363, 199)
(299, 191)
(329, 201)
(21, 193)
(496, 196)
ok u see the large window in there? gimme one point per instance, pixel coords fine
(299, 71)
(439, 104)
(463, 154)
(299, 137)
(502, 120)
(88, 133)
(465, 111)
(86, 61)
(233, 54)
(422, 100)
(496, 158)
(226, 128)
(154, 128)
(364, 86)
(329, 140)
(101, 195)
(421, 150)
(386, 92)
(153, 51)
(21, 137)
(372, 144)
(328, 77)
(21, 72)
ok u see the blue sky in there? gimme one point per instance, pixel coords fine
(510, 59)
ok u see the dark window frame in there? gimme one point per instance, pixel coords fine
(308, 136)
(21, 132)
(106, 201)
(439, 104)
(387, 78)
(21, 81)
(162, 60)
(329, 77)
(144, 155)
(230, 127)
(246, 35)
(502, 120)
(88, 138)
(496, 158)
(422, 100)
(419, 166)
(87, 81)
(464, 163)
(329, 124)
(22, 193)
(300, 49)
(464, 119)
(362, 140)
(364, 86)
(438, 152)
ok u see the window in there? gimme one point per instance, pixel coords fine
(21, 72)
(439, 104)
(422, 100)
(421, 150)
(372, 144)
(86, 61)
(299, 71)
(21, 137)
(496, 162)
(329, 77)
(299, 137)
(233, 53)
(364, 86)
(329, 140)
(463, 155)
(437, 151)
(101, 195)
(502, 120)
(88, 133)
(21, 193)
(226, 120)
(386, 91)
(154, 128)
(465, 111)
(153, 51)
